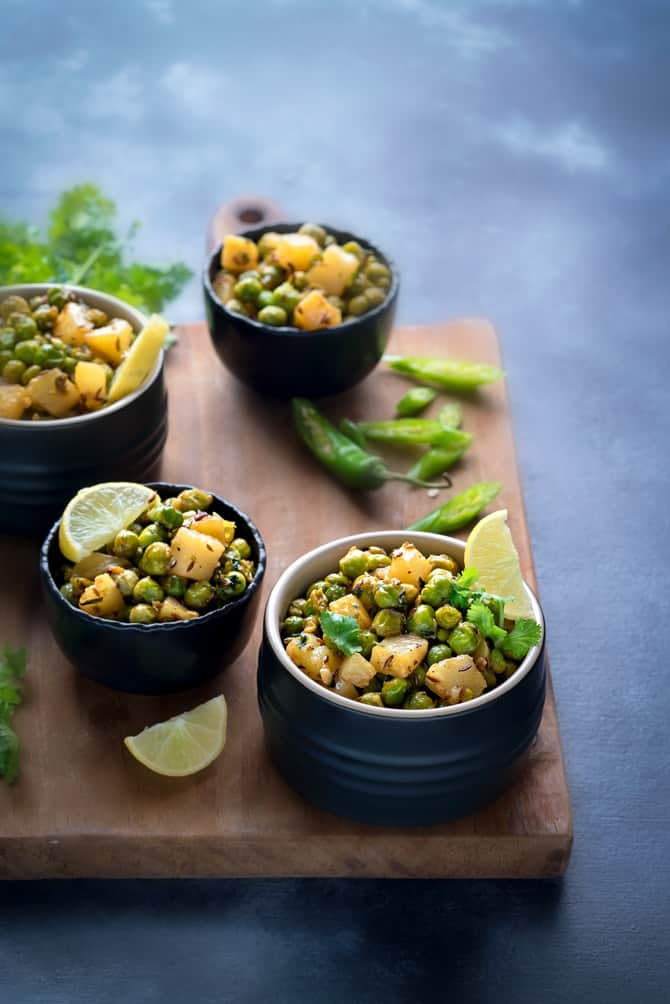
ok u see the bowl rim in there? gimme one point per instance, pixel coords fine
(392, 538)
(139, 320)
(103, 622)
(287, 330)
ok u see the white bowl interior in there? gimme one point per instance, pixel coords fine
(317, 563)
(103, 301)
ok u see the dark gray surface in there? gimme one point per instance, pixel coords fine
(514, 158)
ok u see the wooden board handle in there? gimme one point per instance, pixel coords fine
(240, 213)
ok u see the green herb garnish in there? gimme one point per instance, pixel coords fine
(12, 671)
(82, 247)
(482, 617)
(521, 639)
(343, 631)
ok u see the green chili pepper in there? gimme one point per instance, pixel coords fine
(353, 432)
(415, 401)
(434, 462)
(343, 458)
(460, 510)
(413, 432)
(451, 415)
(445, 374)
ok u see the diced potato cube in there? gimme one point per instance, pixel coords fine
(111, 342)
(351, 606)
(238, 253)
(311, 654)
(172, 610)
(457, 671)
(335, 271)
(357, 670)
(399, 655)
(72, 324)
(53, 392)
(14, 400)
(315, 312)
(91, 382)
(409, 565)
(103, 598)
(194, 555)
(214, 525)
(296, 251)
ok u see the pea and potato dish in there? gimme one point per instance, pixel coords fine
(58, 355)
(304, 279)
(177, 561)
(399, 629)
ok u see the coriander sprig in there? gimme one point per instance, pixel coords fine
(13, 662)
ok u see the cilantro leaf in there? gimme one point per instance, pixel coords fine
(482, 617)
(521, 639)
(9, 753)
(461, 593)
(343, 631)
(12, 670)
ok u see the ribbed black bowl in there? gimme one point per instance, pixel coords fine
(382, 765)
(43, 464)
(154, 658)
(285, 361)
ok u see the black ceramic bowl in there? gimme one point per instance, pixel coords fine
(154, 658)
(286, 361)
(383, 765)
(43, 464)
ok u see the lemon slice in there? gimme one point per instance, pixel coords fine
(490, 549)
(184, 744)
(140, 359)
(96, 514)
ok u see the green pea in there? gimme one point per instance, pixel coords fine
(264, 298)
(498, 662)
(28, 374)
(375, 685)
(314, 231)
(419, 677)
(420, 700)
(374, 296)
(98, 318)
(437, 590)
(422, 621)
(7, 338)
(358, 305)
(447, 617)
(376, 559)
(174, 585)
(276, 317)
(142, 614)
(335, 591)
(354, 563)
(300, 280)
(156, 559)
(376, 270)
(389, 594)
(292, 626)
(286, 297)
(37, 301)
(232, 585)
(235, 306)
(364, 588)
(442, 635)
(26, 351)
(271, 277)
(67, 591)
(338, 578)
(464, 639)
(367, 641)
(373, 699)
(69, 365)
(359, 284)
(250, 273)
(82, 353)
(329, 240)
(394, 692)
(297, 608)
(266, 243)
(319, 584)
(353, 247)
(388, 622)
(5, 357)
(194, 498)
(45, 316)
(198, 595)
(13, 305)
(437, 653)
(336, 301)
(13, 370)
(48, 356)
(246, 290)
(24, 327)
(57, 297)
(150, 535)
(167, 516)
(126, 581)
(147, 590)
(443, 561)
(125, 544)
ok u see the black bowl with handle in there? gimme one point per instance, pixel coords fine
(286, 361)
(157, 658)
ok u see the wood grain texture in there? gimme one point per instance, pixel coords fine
(83, 807)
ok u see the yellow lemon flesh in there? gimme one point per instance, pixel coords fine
(184, 744)
(96, 514)
(490, 549)
(140, 359)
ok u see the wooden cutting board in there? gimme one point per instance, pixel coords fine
(83, 807)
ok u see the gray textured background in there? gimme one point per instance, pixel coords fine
(513, 156)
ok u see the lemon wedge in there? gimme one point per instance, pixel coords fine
(184, 744)
(140, 359)
(96, 514)
(490, 549)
